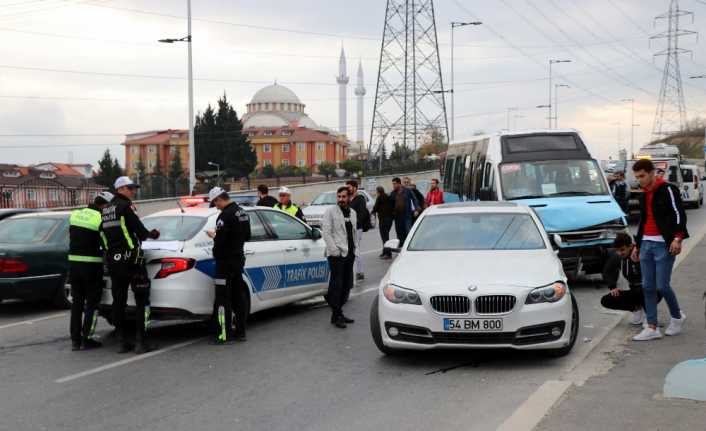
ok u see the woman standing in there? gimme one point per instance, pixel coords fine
(383, 210)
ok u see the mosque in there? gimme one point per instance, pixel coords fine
(282, 134)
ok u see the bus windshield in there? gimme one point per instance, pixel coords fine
(551, 178)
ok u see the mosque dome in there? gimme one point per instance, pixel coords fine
(275, 93)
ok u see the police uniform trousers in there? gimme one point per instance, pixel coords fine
(86, 289)
(124, 275)
(232, 294)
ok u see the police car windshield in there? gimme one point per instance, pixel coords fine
(328, 198)
(551, 178)
(176, 227)
(479, 231)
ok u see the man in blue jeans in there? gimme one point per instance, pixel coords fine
(659, 240)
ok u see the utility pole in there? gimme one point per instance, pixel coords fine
(702, 77)
(632, 126)
(509, 110)
(549, 106)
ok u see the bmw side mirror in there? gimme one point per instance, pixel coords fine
(315, 234)
(557, 242)
(392, 245)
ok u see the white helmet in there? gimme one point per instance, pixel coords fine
(214, 193)
(285, 191)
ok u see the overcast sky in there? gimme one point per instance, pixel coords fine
(498, 65)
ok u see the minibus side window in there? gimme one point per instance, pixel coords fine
(469, 182)
(448, 173)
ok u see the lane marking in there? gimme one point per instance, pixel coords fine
(33, 321)
(135, 358)
(532, 411)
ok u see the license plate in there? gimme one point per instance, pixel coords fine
(473, 325)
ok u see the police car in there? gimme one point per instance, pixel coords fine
(285, 262)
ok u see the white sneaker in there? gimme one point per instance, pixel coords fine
(675, 325)
(648, 334)
(637, 317)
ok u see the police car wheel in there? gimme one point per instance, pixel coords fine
(62, 298)
(375, 330)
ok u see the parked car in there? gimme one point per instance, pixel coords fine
(450, 286)
(314, 213)
(285, 263)
(693, 189)
(34, 263)
(9, 212)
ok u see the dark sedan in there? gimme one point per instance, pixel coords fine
(33, 257)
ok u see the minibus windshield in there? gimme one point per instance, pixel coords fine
(551, 178)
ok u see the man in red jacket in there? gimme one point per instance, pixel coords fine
(435, 196)
(658, 241)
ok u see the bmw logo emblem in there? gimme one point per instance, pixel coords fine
(472, 288)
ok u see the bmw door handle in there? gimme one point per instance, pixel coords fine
(249, 252)
(290, 249)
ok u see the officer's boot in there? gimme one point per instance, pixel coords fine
(141, 344)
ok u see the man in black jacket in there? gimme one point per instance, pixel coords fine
(86, 270)
(265, 200)
(229, 238)
(360, 206)
(124, 232)
(621, 262)
(658, 242)
(620, 192)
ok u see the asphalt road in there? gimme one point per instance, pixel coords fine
(296, 372)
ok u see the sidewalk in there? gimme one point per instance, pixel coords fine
(629, 395)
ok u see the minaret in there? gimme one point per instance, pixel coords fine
(360, 92)
(342, 80)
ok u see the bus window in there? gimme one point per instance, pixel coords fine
(469, 182)
(478, 182)
(448, 173)
(458, 176)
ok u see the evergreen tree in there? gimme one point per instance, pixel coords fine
(219, 138)
(176, 173)
(327, 169)
(108, 170)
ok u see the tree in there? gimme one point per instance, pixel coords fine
(351, 166)
(284, 171)
(327, 169)
(434, 143)
(303, 172)
(108, 170)
(268, 171)
(219, 137)
(176, 173)
(401, 153)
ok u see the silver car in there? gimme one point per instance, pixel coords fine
(314, 213)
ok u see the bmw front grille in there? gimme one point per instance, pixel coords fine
(495, 304)
(451, 304)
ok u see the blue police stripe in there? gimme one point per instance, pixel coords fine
(266, 278)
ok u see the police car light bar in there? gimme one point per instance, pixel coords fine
(192, 201)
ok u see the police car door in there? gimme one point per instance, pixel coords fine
(306, 268)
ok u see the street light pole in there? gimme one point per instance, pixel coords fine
(632, 126)
(455, 24)
(556, 103)
(702, 77)
(509, 110)
(549, 106)
(190, 79)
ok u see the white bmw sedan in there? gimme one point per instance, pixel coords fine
(475, 275)
(285, 263)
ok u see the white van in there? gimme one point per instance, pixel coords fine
(551, 171)
(693, 189)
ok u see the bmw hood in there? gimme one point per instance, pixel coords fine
(315, 210)
(442, 271)
(569, 213)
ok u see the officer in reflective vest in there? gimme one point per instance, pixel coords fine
(124, 232)
(229, 238)
(86, 270)
(285, 204)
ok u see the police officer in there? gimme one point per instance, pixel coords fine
(124, 232)
(231, 234)
(285, 204)
(86, 270)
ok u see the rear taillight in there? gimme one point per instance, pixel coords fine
(173, 265)
(12, 266)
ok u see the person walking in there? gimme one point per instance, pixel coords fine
(633, 299)
(285, 204)
(265, 200)
(86, 271)
(338, 230)
(418, 197)
(659, 239)
(383, 211)
(620, 192)
(404, 208)
(360, 206)
(229, 238)
(124, 233)
(435, 196)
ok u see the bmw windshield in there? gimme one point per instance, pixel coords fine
(551, 178)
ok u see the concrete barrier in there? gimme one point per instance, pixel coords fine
(302, 194)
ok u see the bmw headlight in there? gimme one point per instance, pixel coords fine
(400, 295)
(551, 293)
